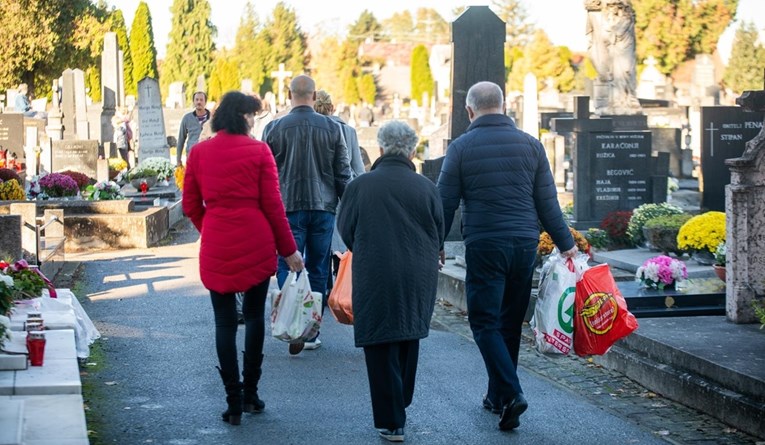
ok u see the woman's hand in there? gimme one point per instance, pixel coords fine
(295, 262)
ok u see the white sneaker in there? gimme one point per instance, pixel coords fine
(311, 345)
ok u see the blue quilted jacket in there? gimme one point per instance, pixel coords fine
(503, 177)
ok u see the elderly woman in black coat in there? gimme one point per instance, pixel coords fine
(392, 220)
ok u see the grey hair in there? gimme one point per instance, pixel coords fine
(484, 96)
(397, 138)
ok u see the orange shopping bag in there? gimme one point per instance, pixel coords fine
(601, 315)
(341, 296)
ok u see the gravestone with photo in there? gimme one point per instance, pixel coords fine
(152, 139)
(725, 132)
(75, 155)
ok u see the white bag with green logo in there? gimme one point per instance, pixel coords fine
(553, 320)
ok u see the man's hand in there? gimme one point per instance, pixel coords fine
(570, 253)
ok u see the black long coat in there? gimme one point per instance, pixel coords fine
(392, 220)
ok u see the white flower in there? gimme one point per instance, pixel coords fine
(5, 279)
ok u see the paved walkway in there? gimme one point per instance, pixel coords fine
(154, 379)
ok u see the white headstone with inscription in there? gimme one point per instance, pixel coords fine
(530, 105)
(152, 139)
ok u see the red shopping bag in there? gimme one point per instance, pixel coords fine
(340, 298)
(601, 316)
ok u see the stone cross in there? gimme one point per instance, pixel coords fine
(281, 75)
(745, 219)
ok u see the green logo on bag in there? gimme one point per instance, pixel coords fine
(566, 314)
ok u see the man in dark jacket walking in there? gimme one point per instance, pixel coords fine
(392, 220)
(313, 165)
(503, 177)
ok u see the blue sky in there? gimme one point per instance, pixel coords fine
(563, 20)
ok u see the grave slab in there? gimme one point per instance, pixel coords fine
(700, 296)
(631, 259)
(52, 420)
(11, 421)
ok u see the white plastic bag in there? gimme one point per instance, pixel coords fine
(553, 321)
(295, 310)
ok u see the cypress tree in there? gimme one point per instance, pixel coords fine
(747, 58)
(118, 26)
(224, 77)
(421, 77)
(191, 47)
(144, 55)
(251, 49)
(367, 88)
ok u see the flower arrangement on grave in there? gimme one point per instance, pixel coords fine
(615, 224)
(26, 282)
(56, 185)
(661, 272)
(104, 191)
(10, 190)
(645, 212)
(81, 179)
(661, 232)
(117, 164)
(720, 254)
(180, 174)
(598, 238)
(6, 174)
(6, 303)
(546, 245)
(702, 233)
(139, 172)
(162, 166)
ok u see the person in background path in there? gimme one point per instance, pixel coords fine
(504, 179)
(231, 194)
(263, 118)
(123, 134)
(191, 126)
(392, 220)
(313, 165)
(22, 104)
(324, 106)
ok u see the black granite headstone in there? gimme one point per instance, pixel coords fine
(478, 38)
(75, 155)
(668, 140)
(725, 131)
(545, 118)
(431, 168)
(620, 172)
(12, 133)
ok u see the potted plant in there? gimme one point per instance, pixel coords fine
(615, 224)
(56, 185)
(104, 191)
(645, 212)
(661, 272)
(116, 166)
(719, 264)
(661, 232)
(546, 245)
(162, 166)
(142, 175)
(10, 190)
(701, 235)
(82, 180)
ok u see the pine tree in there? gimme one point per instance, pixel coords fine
(747, 59)
(286, 40)
(118, 25)
(545, 60)
(142, 50)
(519, 29)
(422, 78)
(251, 49)
(191, 46)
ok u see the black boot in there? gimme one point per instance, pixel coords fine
(251, 371)
(233, 414)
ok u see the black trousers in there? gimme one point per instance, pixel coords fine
(391, 368)
(226, 323)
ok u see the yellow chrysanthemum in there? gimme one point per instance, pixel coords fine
(179, 175)
(702, 232)
(11, 191)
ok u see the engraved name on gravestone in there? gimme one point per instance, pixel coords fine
(725, 132)
(76, 155)
(12, 133)
(620, 166)
(152, 138)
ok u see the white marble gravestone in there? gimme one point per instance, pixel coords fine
(530, 105)
(152, 139)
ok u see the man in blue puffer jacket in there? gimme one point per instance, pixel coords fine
(503, 177)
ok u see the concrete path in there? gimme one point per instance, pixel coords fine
(157, 383)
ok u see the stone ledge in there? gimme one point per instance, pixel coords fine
(134, 230)
(79, 207)
(50, 420)
(11, 421)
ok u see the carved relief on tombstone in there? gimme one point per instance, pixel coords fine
(611, 37)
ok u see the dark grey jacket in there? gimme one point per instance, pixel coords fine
(311, 157)
(392, 220)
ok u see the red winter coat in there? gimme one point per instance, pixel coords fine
(231, 194)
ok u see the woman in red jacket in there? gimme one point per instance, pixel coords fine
(231, 194)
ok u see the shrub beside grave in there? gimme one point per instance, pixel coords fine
(645, 212)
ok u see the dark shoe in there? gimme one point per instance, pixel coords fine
(295, 348)
(511, 413)
(396, 435)
(251, 372)
(490, 406)
(233, 414)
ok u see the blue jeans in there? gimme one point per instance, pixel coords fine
(312, 230)
(498, 287)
